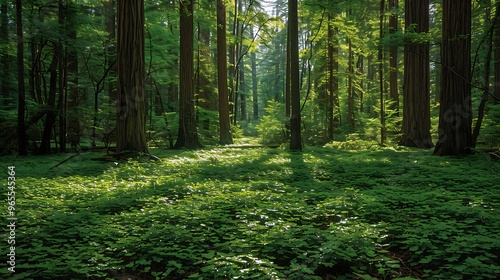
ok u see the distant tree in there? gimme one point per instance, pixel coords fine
(455, 114)
(21, 103)
(416, 92)
(295, 126)
(496, 43)
(131, 103)
(188, 135)
(224, 122)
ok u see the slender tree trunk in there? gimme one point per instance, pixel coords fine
(224, 121)
(496, 83)
(350, 90)
(381, 75)
(188, 135)
(393, 60)
(287, 72)
(61, 103)
(295, 126)
(74, 114)
(487, 64)
(455, 114)
(255, 94)
(131, 103)
(331, 75)
(416, 93)
(242, 93)
(21, 103)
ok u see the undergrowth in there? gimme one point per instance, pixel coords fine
(227, 213)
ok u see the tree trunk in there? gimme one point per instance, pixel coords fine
(224, 121)
(487, 70)
(61, 104)
(455, 114)
(287, 73)
(21, 103)
(242, 93)
(416, 93)
(331, 75)
(131, 103)
(255, 94)
(496, 83)
(393, 60)
(295, 126)
(188, 135)
(381, 75)
(74, 114)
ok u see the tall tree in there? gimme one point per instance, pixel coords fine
(188, 135)
(295, 126)
(131, 103)
(381, 73)
(416, 92)
(393, 59)
(21, 103)
(224, 122)
(496, 43)
(455, 113)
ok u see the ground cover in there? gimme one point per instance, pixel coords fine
(260, 213)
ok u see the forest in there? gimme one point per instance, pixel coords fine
(250, 139)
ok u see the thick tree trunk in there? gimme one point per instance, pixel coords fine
(455, 114)
(21, 103)
(224, 121)
(295, 122)
(416, 93)
(131, 103)
(188, 135)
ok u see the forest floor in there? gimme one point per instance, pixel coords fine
(255, 213)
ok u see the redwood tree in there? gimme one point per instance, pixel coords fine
(416, 92)
(131, 105)
(188, 135)
(455, 114)
(224, 123)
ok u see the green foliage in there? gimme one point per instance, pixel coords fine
(258, 214)
(272, 128)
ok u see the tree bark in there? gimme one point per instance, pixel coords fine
(131, 103)
(455, 114)
(225, 136)
(381, 75)
(295, 121)
(188, 135)
(393, 60)
(416, 93)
